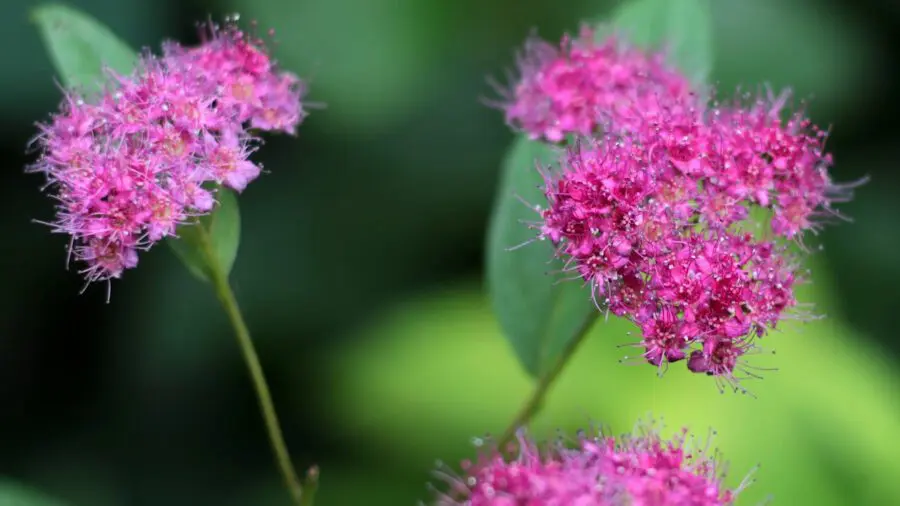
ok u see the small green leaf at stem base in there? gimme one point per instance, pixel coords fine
(539, 311)
(80, 47)
(217, 234)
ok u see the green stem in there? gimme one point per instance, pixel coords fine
(310, 486)
(536, 401)
(226, 296)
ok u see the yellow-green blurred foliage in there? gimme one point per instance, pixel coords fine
(436, 372)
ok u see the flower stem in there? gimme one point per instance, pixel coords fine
(226, 296)
(310, 486)
(536, 401)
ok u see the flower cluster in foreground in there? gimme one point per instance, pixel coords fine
(597, 470)
(131, 165)
(657, 200)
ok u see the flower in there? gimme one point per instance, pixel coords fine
(596, 469)
(775, 163)
(625, 218)
(130, 166)
(237, 69)
(579, 86)
(653, 200)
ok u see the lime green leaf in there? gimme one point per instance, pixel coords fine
(217, 234)
(538, 311)
(16, 494)
(80, 46)
(683, 27)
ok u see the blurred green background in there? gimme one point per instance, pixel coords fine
(360, 274)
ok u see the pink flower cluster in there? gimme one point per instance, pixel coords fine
(598, 470)
(567, 89)
(144, 157)
(652, 205)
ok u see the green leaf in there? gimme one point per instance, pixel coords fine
(16, 494)
(217, 233)
(80, 46)
(683, 27)
(539, 312)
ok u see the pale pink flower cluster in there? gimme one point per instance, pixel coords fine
(146, 156)
(594, 470)
(652, 204)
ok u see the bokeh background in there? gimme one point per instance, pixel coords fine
(360, 272)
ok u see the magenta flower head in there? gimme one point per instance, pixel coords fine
(237, 69)
(630, 223)
(758, 155)
(147, 155)
(639, 469)
(651, 205)
(571, 88)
